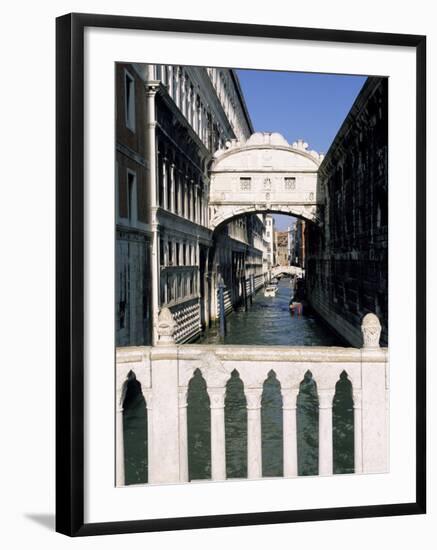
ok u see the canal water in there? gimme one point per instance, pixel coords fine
(268, 321)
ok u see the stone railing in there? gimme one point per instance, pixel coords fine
(171, 368)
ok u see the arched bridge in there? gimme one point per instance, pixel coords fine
(289, 269)
(263, 174)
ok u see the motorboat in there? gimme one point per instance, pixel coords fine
(270, 291)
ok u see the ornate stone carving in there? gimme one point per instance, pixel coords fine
(215, 373)
(325, 398)
(371, 329)
(217, 397)
(166, 327)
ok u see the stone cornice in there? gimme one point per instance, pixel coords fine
(368, 90)
(239, 149)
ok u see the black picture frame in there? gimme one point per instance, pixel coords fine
(70, 273)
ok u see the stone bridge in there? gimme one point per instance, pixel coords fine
(264, 174)
(164, 373)
(290, 269)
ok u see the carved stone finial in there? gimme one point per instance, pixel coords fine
(166, 327)
(371, 329)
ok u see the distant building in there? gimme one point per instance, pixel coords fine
(270, 239)
(281, 240)
(290, 243)
(299, 244)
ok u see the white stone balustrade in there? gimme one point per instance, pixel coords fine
(171, 368)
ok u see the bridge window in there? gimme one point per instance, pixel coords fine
(245, 184)
(290, 183)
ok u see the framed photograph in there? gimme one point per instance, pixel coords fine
(240, 274)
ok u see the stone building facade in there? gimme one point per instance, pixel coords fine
(270, 238)
(299, 244)
(281, 240)
(133, 227)
(182, 116)
(347, 253)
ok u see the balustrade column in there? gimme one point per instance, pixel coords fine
(198, 205)
(193, 201)
(358, 443)
(180, 194)
(119, 442)
(254, 456)
(185, 214)
(289, 404)
(164, 183)
(148, 396)
(170, 80)
(218, 456)
(183, 435)
(172, 188)
(325, 432)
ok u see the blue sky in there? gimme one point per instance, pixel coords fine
(310, 106)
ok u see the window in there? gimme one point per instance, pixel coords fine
(131, 197)
(129, 100)
(290, 183)
(245, 184)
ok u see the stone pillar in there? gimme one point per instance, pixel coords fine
(189, 201)
(325, 432)
(193, 201)
(358, 443)
(172, 188)
(180, 193)
(289, 405)
(374, 398)
(254, 453)
(218, 456)
(177, 84)
(164, 437)
(148, 396)
(185, 198)
(183, 435)
(170, 80)
(150, 141)
(164, 183)
(119, 440)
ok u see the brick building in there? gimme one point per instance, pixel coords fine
(347, 254)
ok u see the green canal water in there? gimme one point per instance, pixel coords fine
(268, 321)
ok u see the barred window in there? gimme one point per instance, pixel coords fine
(245, 184)
(290, 183)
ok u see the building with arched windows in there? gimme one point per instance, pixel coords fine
(170, 121)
